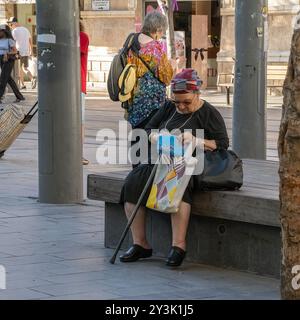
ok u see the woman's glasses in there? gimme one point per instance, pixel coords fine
(185, 103)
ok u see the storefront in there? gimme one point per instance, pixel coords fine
(108, 23)
(281, 16)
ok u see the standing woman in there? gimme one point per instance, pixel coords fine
(84, 51)
(154, 71)
(8, 53)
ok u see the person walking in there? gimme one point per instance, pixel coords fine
(23, 40)
(84, 50)
(8, 53)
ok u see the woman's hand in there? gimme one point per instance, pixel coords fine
(13, 50)
(187, 138)
(210, 145)
(5, 58)
(153, 138)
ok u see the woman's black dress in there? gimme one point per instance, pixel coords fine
(207, 118)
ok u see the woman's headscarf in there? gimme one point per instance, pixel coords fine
(186, 81)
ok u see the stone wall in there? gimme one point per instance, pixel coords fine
(107, 31)
(2, 13)
(6, 10)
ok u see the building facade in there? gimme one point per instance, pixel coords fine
(281, 16)
(108, 30)
(203, 24)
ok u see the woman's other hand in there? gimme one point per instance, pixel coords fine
(153, 138)
(187, 138)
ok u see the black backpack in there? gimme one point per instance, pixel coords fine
(117, 66)
(119, 63)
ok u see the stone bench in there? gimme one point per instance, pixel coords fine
(226, 80)
(276, 74)
(238, 230)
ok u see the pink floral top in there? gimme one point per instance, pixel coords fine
(150, 93)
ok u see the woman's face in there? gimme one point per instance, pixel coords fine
(187, 102)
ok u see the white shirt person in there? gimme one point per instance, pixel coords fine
(23, 40)
(22, 37)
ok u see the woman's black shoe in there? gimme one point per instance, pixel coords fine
(135, 253)
(175, 257)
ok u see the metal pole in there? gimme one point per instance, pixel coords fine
(60, 143)
(249, 120)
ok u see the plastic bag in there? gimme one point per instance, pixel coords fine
(32, 66)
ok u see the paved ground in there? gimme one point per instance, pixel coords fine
(57, 252)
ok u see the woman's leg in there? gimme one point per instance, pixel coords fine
(180, 222)
(15, 88)
(13, 84)
(21, 74)
(5, 74)
(138, 228)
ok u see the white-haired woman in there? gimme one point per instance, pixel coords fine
(187, 112)
(154, 70)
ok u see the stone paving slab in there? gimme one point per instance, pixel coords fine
(57, 251)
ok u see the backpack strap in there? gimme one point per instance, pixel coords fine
(129, 43)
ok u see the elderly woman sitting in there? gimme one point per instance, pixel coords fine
(187, 111)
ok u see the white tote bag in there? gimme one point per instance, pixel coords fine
(33, 66)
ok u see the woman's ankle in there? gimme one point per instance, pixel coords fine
(180, 244)
(144, 244)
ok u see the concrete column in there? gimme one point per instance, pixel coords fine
(249, 121)
(60, 143)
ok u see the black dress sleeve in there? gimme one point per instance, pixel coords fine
(216, 129)
(161, 116)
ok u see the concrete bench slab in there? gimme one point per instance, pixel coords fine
(238, 229)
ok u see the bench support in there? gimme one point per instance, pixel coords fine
(211, 241)
(228, 95)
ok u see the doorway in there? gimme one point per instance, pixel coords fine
(187, 25)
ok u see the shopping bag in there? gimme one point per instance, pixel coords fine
(32, 66)
(170, 182)
(223, 170)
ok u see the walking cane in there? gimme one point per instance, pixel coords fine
(113, 259)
